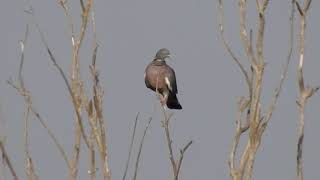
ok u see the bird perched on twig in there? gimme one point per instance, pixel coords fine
(161, 78)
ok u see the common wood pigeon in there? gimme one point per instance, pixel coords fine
(161, 77)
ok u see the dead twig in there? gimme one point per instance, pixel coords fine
(98, 103)
(176, 165)
(304, 92)
(182, 151)
(130, 147)
(244, 36)
(284, 72)
(6, 159)
(64, 77)
(140, 150)
(227, 46)
(256, 122)
(29, 108)
(92, 158)
(30, 171)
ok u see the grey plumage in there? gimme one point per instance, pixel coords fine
(161, 77)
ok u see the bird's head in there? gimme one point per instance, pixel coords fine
(162, 54)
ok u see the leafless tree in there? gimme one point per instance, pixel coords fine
(250, 107)
(93, 106)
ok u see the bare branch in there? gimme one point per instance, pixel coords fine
(166, 124)
(182, 151)
(260, 37)
(226, 45)
(242, 104)
(265, 5)
(98, 93)
(140, 150)
(28, 101)
(305, 92)
(64, 6)
(299, 8)
(284, 72)
(92, 158)
(244, 35)
(52, 58)
(7, 161)
(30, 171)
(307, 4)
(176, 165)
(131, 145)
(82, 5)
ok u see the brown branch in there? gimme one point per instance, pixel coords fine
(65, 8)
(299, 8)
(234, 172)
(140, 150)
(253, 105)
(28, 101)
(7, 161)
(76, 152)
(305, 92)
(307, 4)
(226, 45)
(166, 124)
(260, 35)
(131, 147)
(82, 5)
(92, 158)
(182, 151)
(98, 100)
(52, 58)
(283, 75)
(176, 165)
(30, 171)
(244, 36)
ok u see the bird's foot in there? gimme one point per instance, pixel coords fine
(162, 101)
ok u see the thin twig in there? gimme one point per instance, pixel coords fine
(166, 124)
(65, 8)
(92, 158)
(140, 150)
(98, 99)
(284, 72)
(244, 36)
(130, 147)
(176, 165)
(30, 171)
(182, 151)
(226, 45)
(53, 59)
(28, 100)
(7, 161)
(82, 5)
(239, 130)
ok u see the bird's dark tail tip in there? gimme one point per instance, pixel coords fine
(173, 103)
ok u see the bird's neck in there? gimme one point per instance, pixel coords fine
(159, 60)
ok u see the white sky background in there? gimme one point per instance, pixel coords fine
(209, 83)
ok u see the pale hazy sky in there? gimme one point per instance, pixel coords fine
(209, 83)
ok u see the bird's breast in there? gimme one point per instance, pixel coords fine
(155, 76)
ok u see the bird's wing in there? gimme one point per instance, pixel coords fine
(170, 79)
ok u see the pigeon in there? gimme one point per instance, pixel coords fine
(161, 78)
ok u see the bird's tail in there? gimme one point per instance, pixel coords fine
(172, 102)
